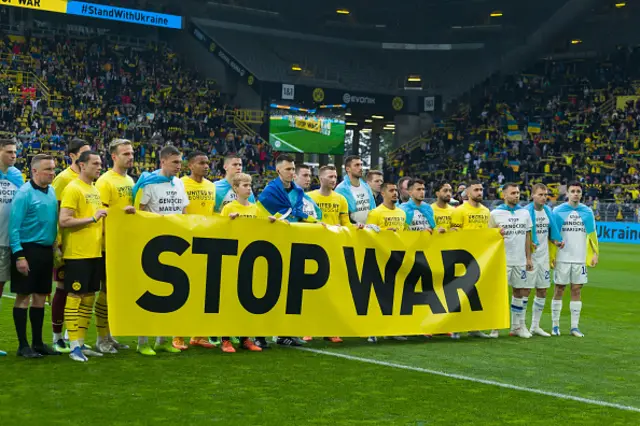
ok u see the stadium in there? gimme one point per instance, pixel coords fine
(264, 169)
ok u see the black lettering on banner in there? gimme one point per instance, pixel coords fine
(299, 280)
(421, 271)
(247, 298)
(164, 273)
(214, 248)
(361, 286)
(467, 282)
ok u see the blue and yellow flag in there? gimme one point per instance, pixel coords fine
(514, 135)
(512, 124)
(534, 127)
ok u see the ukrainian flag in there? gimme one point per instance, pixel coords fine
(514, 135)
(512, 124)
(534, 127)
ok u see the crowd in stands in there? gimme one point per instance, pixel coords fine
(91, 89)
(554, 123)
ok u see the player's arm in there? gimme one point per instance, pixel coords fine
(68, 208)
(19, 207)
(527, 250)
(145, 199)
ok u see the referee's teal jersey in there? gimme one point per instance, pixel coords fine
(34, 217)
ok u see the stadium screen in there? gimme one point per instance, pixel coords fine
(297, 129)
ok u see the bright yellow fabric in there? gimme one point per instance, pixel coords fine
(335, 209)
(83, 242)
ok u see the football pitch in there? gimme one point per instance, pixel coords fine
(559, 380)
(285, 138)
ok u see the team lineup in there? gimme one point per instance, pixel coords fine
(56, 224)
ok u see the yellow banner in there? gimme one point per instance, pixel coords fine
(211, 276)
(310, 124)
(47, 5)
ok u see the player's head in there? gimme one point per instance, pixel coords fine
(303, 176)
(474, 191)
(353, 166)
(241, 185)
(511, 194)
(232, 165)
(416, 190)
(43, 169)
(375, 179)
(403, 187)
(328, 177)
(121, 151)
(90, 165)
(461, 188)
(443, 192)
(389, 193)
(8, 152)
(540, 194)
(170, 161)
(286, 167)
(76, 147)
(574, 192)
(198, 163)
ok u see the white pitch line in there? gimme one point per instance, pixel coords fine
(475, 380)
(287, 143)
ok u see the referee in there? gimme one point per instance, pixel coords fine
(32, 233)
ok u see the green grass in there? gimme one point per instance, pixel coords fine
(284, 138)
(287, 386)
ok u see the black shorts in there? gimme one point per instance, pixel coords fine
(38, 281)
(82, 276)
(103, 272)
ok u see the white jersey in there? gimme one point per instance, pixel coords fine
(165, 198)
(541, 255)
(361, 195)
(574, 236)
(228, 197)
(308, 208)
(7, 191)
(516, 224)
(419, 222)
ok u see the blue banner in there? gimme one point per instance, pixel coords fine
(124, 15)
(618, 232)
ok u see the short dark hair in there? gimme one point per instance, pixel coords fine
(193, 154)
(232, 156)
(169, 151)
(402, 180)
(349, 159)
(509, 185)
(386, 185)
(473, 182)
(302, 166)
(84, 157)
(75, 144)
(38, 158)
(575, 183)
(372, 173)
(440, 184)
(326, 168)
(414, 182)
(6, 142)
(284, 157)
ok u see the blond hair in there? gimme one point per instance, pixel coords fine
(238, 178)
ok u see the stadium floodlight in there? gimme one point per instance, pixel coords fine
(296, 67)
(368, 120)
(351, 123)
(379, 117)
(414, 79)
(342, 12)
(496, 14)
(348, 114)
(576, 41)
(621, 4)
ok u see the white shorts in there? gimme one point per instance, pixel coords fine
(540, 277)
(5, 264)
(570, 273)
(517, 276)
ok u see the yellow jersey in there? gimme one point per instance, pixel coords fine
(62, 180)
(83, 242)
(334, 207)
(386, 218)
(442, 216)
(468, 217)
(115, 189)
(243, 211)
(202, 196)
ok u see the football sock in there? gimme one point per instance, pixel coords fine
(556, 308)
(523, 317)
(538, 307)
(84, 315)
(71, 319)
(143, 340)
(575, 307)
(20, 321)
(58, 307)
(516, 312)
(102, 321)
(36, 317)
(160, 340)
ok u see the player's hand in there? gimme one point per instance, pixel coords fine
(23, 266)
(441, 230)
(454, 229)
(502, 231)
(324, 225)
(594, 261)
(359, 226)
(552, 263)
(529, 265)
(100, 214)
(392, 229)
(233, 215)
(130, 210)
(271, 218)
(374, 228)
(429, 230)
